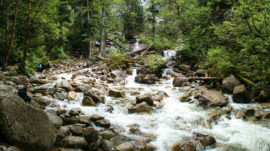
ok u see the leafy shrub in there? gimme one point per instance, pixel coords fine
(57, 53)
(154, 61)
(115, 59)
(71, 63)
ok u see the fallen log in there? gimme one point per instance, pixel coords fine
(141, 50)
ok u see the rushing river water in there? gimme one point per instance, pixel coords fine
(176, 120)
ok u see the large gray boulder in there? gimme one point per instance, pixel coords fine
(211, 98)
(229, 83)
(50, 87)
(25, 126)
(140, 108)
(240, 94)
(180, 81)
(184, 146)
(132, 146)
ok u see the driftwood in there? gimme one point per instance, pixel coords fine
(141, 50)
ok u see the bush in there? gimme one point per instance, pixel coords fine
(57, 53)
(115, 59)
(154, 61)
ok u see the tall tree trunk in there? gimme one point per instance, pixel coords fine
(89, 30)
(153, 19)
(27, 37)
(102, 33)
(9, 43)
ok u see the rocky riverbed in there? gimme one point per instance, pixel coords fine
(94, 108)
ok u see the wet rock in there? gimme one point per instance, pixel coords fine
(50, 87)
(90, 134)
(3, 148)
(13, 148)
(180, 81)
(107, 135)
(184, 146)
(96, 117)
(201, 73)
(145, 98)
(74, 142)
(55, 120)
(71, 95)
(103, 123)
(108, 146)
(117, 94)
(95, 97)
(240, 94)
(139, 78)
(186, 97)
(77, 129)
(65, 85)
(131, 146)
(74, 112)
(184, 67)
(157, 97)
(205, 140)
(87, 101)
(150, 79)
(211, 98)
(228, 109)
(249, 112)
(85, 120)
(129, 71)
(229, 83)
(140, 108)
(264, 96)
(258, 115)
(150, 147)
(240, 114)
(94, 145)
(70, 120)
(25, 126)
(266, 115)
(64, 130)
(134, 130)
(59, 96)
(7, 90)
(117, 73)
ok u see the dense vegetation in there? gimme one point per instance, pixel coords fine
(226, 36)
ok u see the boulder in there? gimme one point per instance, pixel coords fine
(211, 98)
(50, 87)
(140, 108)
(184, 146)
(65, 85)
(240, 94)
(117, 94)
(59, 96)
(180, 81)
(96, 117)
(90, 134)
(184, 67)
(146, 78)
(64, 130)
(266, 115)
(25, 126)
(117, 73)
(103, 123)
(7, 91)
(264, 96)
(87, 101)
(71, 95)
(131, 146)
(85, 120)
(107, 134)
(205, 140)
(229, 83)
(55, 120)
(12, 148)
(77, 129)
(108, 146)
(74, 142)
(145, 98)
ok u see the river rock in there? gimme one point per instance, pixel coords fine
(211, 98)
(184, 146)
(205, 140)
(184, 67)
(85, 120)
(65, 85)
(264, 96)
(25, 126)
(186, 97)
(77, 129)
(229, 83)
(146, 78)
(96, 117)
(55, 120)
(103, 123)
(7, 91)
(145, 98)
(71, 95)
(50, 87)
(266, 115)
(70, 120)
(117, 73)
(180, 81)
(240, 94)
(117, 94)
(132, 146)
(90, 134)
(74, 142)
(64, 130)
(249, 112)
(140, 108)
(107, 134)
(108, 145)
(59, 96)
(87, 101)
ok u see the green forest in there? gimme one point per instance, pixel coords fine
(134, 75)
(230, 36)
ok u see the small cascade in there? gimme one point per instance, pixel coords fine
(167, 54)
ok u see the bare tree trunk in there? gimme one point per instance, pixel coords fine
(10, 43)
(102, 33)
(27, 37)
(89, 30)
(153, 19)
